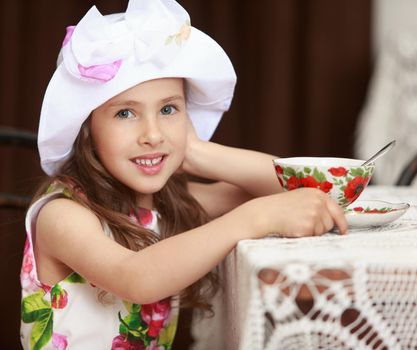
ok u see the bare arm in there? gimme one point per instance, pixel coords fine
(239, 174)
(72, 235)
(219, 197)
(251, 171)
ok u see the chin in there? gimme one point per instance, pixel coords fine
(150, 189)
(145, 185)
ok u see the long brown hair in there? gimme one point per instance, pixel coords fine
(93, 187)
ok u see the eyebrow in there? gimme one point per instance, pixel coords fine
(173, 98)
(134, 103)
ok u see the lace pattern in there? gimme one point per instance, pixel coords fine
(331, 292)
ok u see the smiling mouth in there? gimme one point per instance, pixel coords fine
(148, 162)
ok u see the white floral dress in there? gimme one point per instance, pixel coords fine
(69, 315)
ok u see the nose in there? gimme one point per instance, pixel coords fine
(150, 133)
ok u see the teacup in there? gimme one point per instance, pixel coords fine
(342, 178)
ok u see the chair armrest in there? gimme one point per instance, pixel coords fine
(14, 137)
(14, 201)
(408, 174)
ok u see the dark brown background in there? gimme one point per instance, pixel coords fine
(302, 66)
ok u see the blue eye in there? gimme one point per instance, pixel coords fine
(124, 114)
(168, 110)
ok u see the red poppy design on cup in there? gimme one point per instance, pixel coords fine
(279, 172)
(326, 186)
(355, 187)
(340, 171)
(279, 169)
(293, 182)
(309, 181)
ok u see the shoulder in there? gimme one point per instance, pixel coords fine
(63, 210)
(71, 235)
(61, 219)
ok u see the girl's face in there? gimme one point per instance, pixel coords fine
(140, 135)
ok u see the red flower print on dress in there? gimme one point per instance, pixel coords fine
(141, 216)
(46, 288)
(145, 216)
(27, 273)
(355, 187)
(121, 343)
(156, 315)
(59, 297)
(59, 341)
(340, 171)
(154, 346)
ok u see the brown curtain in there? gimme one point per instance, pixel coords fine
(302, 67)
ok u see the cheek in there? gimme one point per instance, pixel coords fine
(111, 145)
(181, 140)
(107, 141)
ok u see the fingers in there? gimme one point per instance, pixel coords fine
(338, 215)
(310, 212)
(327, 210)
(331, 214)
(328, 221)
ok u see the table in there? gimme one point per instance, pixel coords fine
(357, 291)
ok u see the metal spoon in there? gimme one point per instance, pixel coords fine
(378, 154)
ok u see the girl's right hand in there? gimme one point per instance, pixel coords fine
(297, 213)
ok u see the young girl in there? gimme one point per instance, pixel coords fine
(117, 237)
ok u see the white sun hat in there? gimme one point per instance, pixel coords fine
(103, 56)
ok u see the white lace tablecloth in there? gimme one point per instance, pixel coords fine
(357, 291)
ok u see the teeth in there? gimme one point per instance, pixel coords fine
(148, 162)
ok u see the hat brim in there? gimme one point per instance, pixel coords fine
(69, 100)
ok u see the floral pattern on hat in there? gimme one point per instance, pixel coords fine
(181, 36)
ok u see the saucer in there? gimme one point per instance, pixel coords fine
(372, 213)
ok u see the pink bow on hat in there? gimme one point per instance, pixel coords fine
(94, 50)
